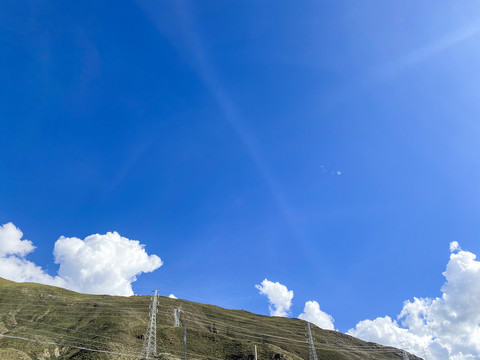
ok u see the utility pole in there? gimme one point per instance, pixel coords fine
(184, 342)
(404, 352)
(176, 314)
(149, 350)
(312, 354)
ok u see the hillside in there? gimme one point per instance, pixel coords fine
(44, 322)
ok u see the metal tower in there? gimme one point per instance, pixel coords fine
(184, 342)
(149, 350)
(424, 353)
(176, 314)
(404, 352)
(312, 353)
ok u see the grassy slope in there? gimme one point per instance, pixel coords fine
(117, 324)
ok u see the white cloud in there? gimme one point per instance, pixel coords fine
(279, 296)
(454, 246)
(99, 264)
(18, 269)
(14, 266)
(103, 264)
(313, 314)
(447, 327)
(171, 296)
(11, 241)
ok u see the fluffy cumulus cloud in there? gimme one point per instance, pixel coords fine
(14, 266)
(171, 296)
(279, 296)
(446, 327)
(312, 313)
(99, 264)
(11, 241)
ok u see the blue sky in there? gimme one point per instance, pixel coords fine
(328, 145)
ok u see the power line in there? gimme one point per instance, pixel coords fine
(63, 328)
(260, 335)
(59, 338)
(227, 326)
(102, 343)
(329, 347)
(165, 351)
(69, 345)
(245, 329)
(284, 340)
(257, 334)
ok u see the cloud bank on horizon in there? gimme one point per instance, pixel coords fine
(99, 264)
(443, 328)
(447, 327)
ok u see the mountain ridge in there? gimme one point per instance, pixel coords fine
(45, 322)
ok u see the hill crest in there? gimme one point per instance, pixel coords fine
(45, 322)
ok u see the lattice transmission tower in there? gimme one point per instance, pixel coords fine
(404, 352)
(149, 350)
(176, 314)
(312, 353)
(184, 342)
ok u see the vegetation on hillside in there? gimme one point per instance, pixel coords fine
(45, 322)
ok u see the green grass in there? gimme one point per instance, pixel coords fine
(117, 324)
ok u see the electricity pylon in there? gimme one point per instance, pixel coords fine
(404, 352)
(184, 342)
(312, 353)
(176, 314)
(149, 350)
(424, 353)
